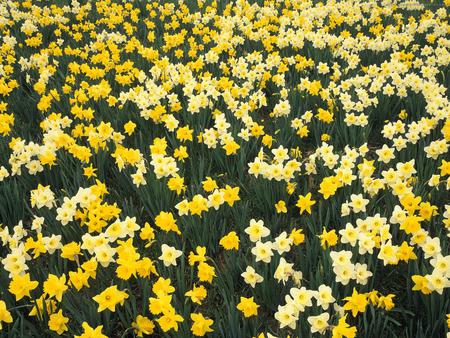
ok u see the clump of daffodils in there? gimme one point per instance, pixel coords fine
(197, 168)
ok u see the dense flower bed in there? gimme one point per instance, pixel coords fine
(224, 168)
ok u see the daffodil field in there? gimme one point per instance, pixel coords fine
(265, 168)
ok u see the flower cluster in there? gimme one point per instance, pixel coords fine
(224, 168)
